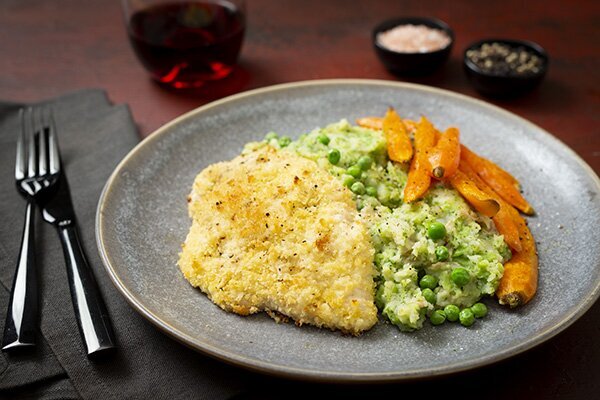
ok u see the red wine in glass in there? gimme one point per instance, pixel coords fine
(185, 44)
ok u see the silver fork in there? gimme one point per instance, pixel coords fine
(36, 171)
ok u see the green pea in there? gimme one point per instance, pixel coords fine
(438, 317)
(460, 276)
(428, 282)
(358, 188)
(348, 180)
(436, 231)
(371, 191)
(333, 155)
(354, 170)
(479, 310)
(323, 139)
(451, 312)
(441, 253)
(364, 162)
(284, 141)
(271, 135)
(429, 295)
(466, 317)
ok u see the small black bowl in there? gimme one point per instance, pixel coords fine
(495, 85)
(412, 63)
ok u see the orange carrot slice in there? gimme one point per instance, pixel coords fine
(520, 280)
(480, 200)
(418, 175)
(501, 181)
(399, 146)
(445, 156)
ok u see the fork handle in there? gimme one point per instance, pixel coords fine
(94, 323)
(22, 314)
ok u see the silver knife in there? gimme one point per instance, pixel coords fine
(94, 323)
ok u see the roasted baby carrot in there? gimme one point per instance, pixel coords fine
(475, 158)
(498, 179)
(507, 227)
(445, 156)
(503, 219)
(519, 282)
(399, 146)
(375, 123)
(418, 175)
(411, 126)
(480, 200)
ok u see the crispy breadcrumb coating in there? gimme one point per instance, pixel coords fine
(273, 232)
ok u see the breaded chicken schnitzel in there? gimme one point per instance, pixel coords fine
(273, 232)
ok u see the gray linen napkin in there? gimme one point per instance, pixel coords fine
(93, 137)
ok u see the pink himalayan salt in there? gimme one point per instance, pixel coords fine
(413, 39)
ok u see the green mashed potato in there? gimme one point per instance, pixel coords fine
(430, 254)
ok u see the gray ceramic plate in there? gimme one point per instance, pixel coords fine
(142, 221)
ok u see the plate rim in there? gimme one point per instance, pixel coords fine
(321, 375)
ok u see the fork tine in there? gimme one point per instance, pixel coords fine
(32, 159)
(42, 143)
(20, 167)
(53, 146)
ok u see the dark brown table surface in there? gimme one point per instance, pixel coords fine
(51, 47)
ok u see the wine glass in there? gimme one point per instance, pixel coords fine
(184, 44)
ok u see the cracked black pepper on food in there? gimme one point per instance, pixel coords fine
(502, 59)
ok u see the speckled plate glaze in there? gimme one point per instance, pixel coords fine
(142, 221)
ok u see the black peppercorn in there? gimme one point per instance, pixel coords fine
(501, 59)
